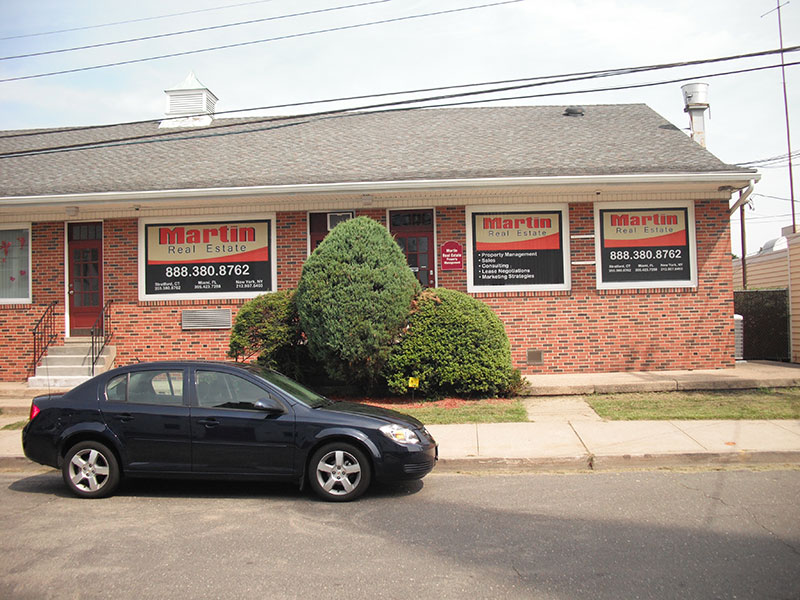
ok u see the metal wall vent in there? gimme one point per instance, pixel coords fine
(535, 357)
(210, 318)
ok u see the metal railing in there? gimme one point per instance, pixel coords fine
(102, 333)
(44, 333)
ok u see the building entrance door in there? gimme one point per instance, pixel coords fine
(413, 230)
(85, 283)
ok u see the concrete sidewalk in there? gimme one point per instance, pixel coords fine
(600, 445)
(565, 433)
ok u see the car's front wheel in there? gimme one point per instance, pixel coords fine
(90, 470)
(339, 472)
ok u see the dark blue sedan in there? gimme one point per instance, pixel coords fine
(219, 420)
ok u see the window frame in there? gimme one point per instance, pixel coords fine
(312, 235)
(691, 230)
(29, 298)
(127, 376)
(562, 208)
(145, 222)
(267, 394)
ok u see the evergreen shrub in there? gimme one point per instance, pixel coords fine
(454, 344)
(353, 299)
(268, 327)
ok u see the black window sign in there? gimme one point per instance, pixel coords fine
(645, 245)
(207, 258)
(517, 248)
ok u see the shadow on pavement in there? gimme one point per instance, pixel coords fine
(50, 483)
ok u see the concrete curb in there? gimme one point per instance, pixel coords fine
(615, 463)
(586, 463)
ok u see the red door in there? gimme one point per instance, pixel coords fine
(413, 230)
(84, 288)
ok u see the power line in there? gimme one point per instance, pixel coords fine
(178, 14)
(612, 88)
(337, 113)
(197, 30)
(772, 197)
(545, 79)
(261, 41)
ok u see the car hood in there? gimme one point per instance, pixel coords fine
(390, 416)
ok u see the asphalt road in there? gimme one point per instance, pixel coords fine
(724, 534)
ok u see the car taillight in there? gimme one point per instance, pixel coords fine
(35, 410)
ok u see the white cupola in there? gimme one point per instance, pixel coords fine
(189, 104)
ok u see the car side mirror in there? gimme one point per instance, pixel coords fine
(269, 405)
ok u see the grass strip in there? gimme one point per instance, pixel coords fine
(772, 403)
(14, 426)
(448, 412)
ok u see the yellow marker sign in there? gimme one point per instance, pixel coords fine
(413, 382)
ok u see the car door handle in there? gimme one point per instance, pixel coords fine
(124, 417)
(209, 423)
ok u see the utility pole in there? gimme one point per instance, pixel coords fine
(785, 109)
(744, 246)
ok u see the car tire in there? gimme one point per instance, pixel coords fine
(339, 472)
(90, 470)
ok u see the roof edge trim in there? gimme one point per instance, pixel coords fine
(737, 179)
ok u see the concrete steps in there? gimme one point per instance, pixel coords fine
(70, 364)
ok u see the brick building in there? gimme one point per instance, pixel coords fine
(600, 236)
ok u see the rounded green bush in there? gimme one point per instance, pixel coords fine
(266, 326)
(454, 344)
(353, 299)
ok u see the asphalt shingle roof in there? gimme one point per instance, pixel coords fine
(451, 143)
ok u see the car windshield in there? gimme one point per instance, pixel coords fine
(290, 386)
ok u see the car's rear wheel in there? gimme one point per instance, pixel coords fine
(90, 470)
(339, 472)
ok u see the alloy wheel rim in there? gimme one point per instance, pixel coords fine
(338, 473)
(89, 470)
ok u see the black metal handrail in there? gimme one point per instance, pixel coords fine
(102, 333)
(44, 332)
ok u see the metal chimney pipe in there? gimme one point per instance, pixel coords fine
(695, 102)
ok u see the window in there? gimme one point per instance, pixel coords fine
(15, 264)
(518, 248)
(319, 224)
(147, 387)
(645, 245)
(213, 257)
(223, 390)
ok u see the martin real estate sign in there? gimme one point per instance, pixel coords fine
(645, 245)
(207, 259)
(522, 249)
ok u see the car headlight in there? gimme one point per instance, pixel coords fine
(401, 435)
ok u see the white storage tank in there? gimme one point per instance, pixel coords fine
(738, 334)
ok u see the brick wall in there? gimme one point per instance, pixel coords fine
(627, 330)
(18, 320)
(582, 329)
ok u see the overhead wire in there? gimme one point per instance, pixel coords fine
(196, 30)
(260, 41)
(543, 80)
(366, 109)
(139, 20)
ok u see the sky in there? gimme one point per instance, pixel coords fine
(522, 39)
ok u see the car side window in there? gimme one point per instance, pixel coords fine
(164, 388)
(117, 389)
(224, 390)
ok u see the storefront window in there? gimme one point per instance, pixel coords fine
(208, 258)
(645, 245)
(518, 248)
(15, 264)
